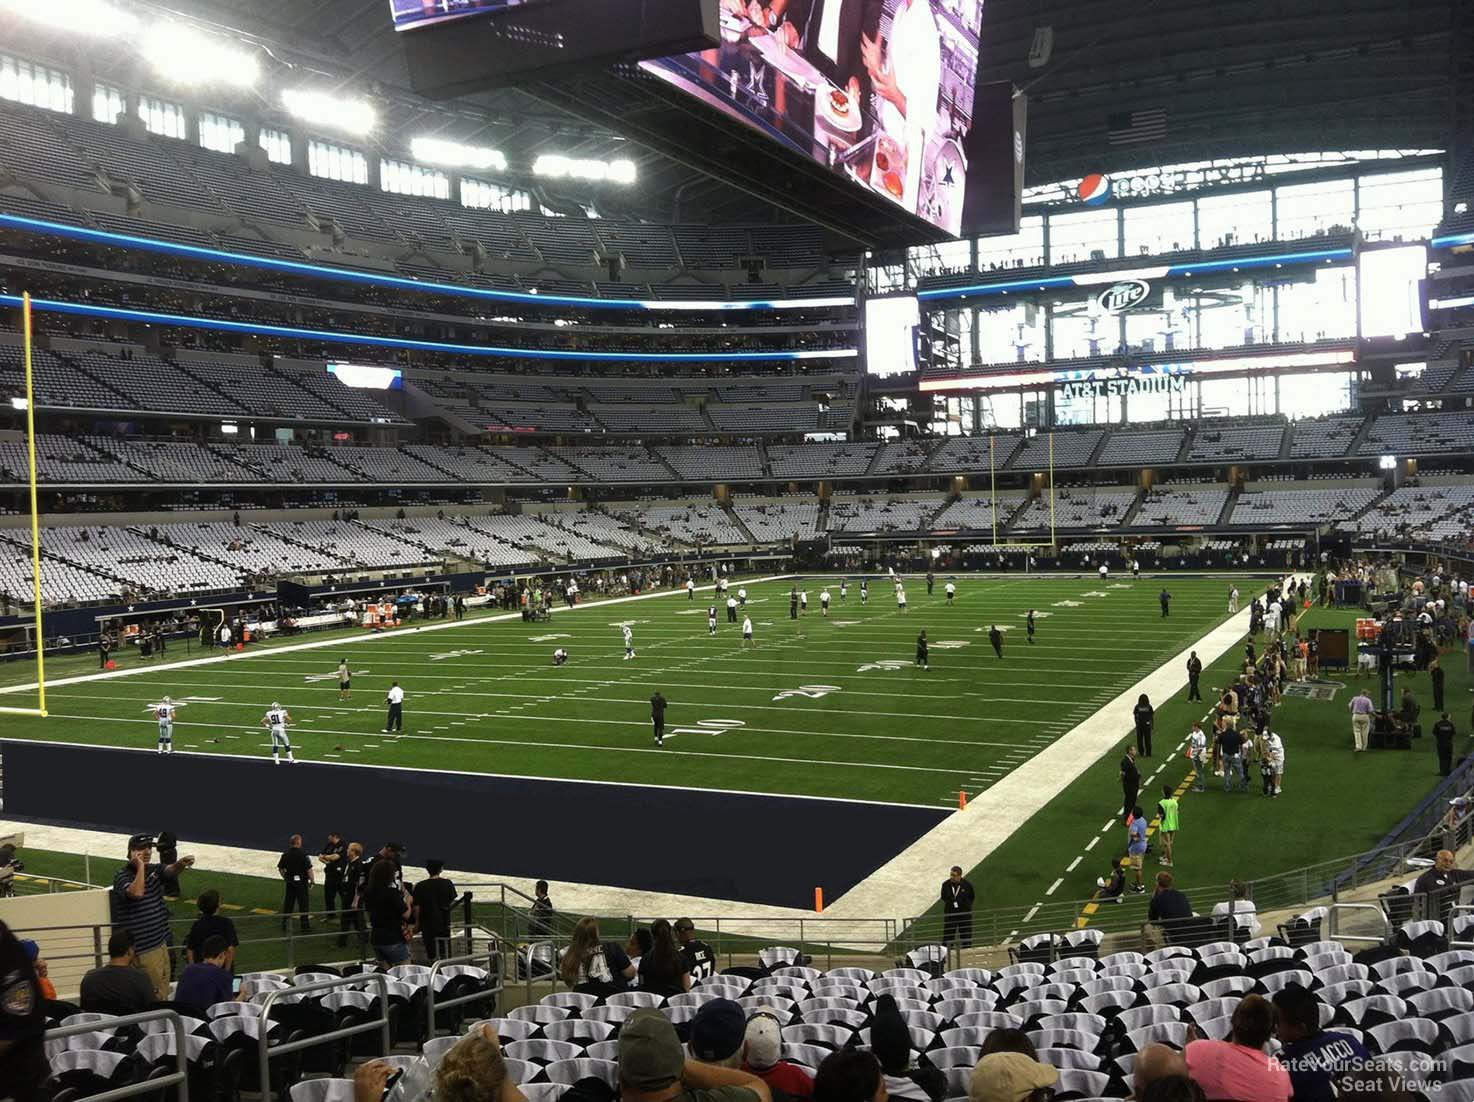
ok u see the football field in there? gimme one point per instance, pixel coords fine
(819, 706)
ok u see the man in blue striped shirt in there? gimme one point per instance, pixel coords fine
(138, 906)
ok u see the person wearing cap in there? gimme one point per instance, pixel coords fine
(23, 1067)
(890, 1040)
(717, 1033)
(137, 905)
(33, 954)
(762, 1055)
(1010, 1077)
(653, 1067)
(699, 958)
(433, 898)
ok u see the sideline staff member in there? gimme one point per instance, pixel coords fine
(957, 901)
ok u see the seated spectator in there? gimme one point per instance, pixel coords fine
(592, 964)
(762, 1055)
(849, 1075)
(1245, 913)
(1172, 1088)
(1008, 1040)
(1240, 1067)
(653, 1068)
(474, 1071)
(890, 1040)
(717, 1033)
(1011, 1077)
(1168, 903)
(207, 981)
(210, 924)
(1156, 1061)
(33, 951)
(662, 969)
(638, 945)
(1316, 1058)
(1115, 886)
(120, 986)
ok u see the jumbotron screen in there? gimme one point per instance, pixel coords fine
(883, 92)
(410, 14)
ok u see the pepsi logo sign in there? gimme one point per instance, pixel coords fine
(1126, 295)
(1095, 189)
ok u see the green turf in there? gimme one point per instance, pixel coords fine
(485, 697)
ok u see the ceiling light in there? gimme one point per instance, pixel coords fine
(437, 151)
(93, 17)
(186, 56)
(327, 109)
(574, 168)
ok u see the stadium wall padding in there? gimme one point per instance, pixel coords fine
(749, 848)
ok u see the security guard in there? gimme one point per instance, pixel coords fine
(23, 1067)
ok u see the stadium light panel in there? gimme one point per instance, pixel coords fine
(355, 116)
(186, 56)
(437, 151)
(574, 168)
(91, 17)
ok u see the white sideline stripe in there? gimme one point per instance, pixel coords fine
(1055, 886)
(291, 648)
(968, 837)
(1032, 912)
(1091, 846)
(1073, 865)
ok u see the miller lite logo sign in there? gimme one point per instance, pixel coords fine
(1119, 298)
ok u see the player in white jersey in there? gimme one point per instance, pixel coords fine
(1233, 599)
(629, 643)
(742, 596)
(803, 601)
(951, 590)
(690, 589)
(900, 599)
(747, 631)
(711, 619)
(824, 600)
(1105, 571)
(1197, 752)
(276, 720)
(560, 657)
(164, 712)
(1136, 568)
(844, 590)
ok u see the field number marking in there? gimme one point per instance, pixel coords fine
(810, 692)
(707, 727)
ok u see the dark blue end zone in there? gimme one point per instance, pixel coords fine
(748, 848)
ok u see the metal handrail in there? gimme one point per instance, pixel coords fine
(179, 1077)
(1334, 909)
(492, 956)
(1454, 913)
(265, 1050)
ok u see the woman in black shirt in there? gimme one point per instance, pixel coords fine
(388, 911)
(1145, 715)
(661, 968)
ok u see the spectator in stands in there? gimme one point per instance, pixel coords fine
(1240, 1067)
(592, 964)
(717, 1033)
(121, 986)
(32, 953)
(137, 905)
(540, 914)
(1130, 781)
(762, 1055)
(472, 1071)
(210, 924)
(1314, 1057)
(389, 912)
(1011, 1077)
(1156, 1061)
(433, 899)
(662, 968)
(638, 945)
(1168, 903)
(1440, 886)
(23, 1067)
(1361, 718)
(700, 959)
(1008, 1040)
(208, 980)
(653, 1068)
(890, 1040)
(957, 899)
(1172, 1088)
(296, 873)
(849, 1075)
(1144, 715)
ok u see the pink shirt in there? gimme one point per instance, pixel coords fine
(1237, 1073)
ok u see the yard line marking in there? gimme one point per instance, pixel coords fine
(1109, 824)
(1091, 846)
(1073, 865)
(1032, 912)
(1053, 887)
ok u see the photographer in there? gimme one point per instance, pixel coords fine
(137, 902)
(9, 866)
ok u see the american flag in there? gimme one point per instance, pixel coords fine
(1135, 127)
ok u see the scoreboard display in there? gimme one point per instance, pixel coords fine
(411, 14)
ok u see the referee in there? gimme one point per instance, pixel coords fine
(395, 700)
